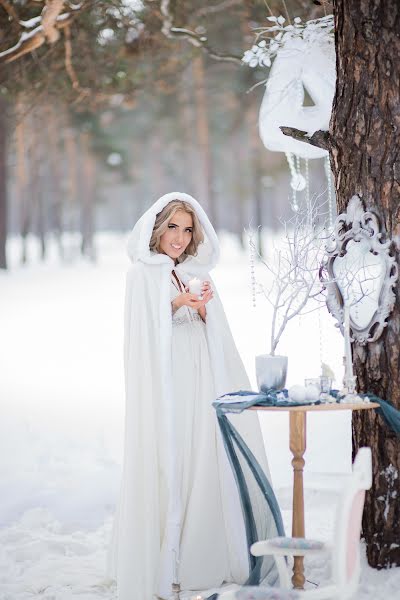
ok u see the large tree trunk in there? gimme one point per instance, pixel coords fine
(365, 158)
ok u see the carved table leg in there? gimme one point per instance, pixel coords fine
(298, 447)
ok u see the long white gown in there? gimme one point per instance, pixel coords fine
(204, 561)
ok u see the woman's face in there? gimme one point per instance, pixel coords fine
(178, 235)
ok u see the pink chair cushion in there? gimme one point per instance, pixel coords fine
(296, 543)
(263, 593)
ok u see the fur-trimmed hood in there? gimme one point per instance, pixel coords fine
(139, 239)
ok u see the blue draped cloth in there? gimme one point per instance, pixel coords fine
(236, 402)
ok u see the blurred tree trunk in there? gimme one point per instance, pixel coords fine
(239, 160)
(56, 203)
(187, 123)
(3, 185)
(247, 144)
(205, 168)
(35, 178)
(238, 151)
(71, 149)
(71, 208)
(156, 174)
(365, 158)
(256, 153)
(88, 191)
(40, 213)
(22, 177)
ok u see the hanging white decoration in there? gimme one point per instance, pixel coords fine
(297, 181)
(252, 267)
(303, 57)
(331, 208)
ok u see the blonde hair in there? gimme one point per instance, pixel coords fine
(161, 224)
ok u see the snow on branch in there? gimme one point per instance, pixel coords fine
(199, 40)
(50, 14)
(39, 30)
(28, 42)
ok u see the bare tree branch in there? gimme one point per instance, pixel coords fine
(321, 139)
(69, 66)
(28, 42)
(196, 39)
(49, 22)
(208, 10)
(50, 15)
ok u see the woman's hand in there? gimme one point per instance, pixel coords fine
(206, 295)
(185, 299)
(205, 289)
(192, 300)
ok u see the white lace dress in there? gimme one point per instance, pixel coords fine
(203, 551)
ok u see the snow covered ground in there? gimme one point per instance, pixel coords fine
(62, 406)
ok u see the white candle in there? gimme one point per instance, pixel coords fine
(347, 343)
(195, 286)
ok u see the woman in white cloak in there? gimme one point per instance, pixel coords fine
(178, 518)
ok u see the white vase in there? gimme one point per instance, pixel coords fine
(271, 371)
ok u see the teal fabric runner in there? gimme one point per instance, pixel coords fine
(237, 402)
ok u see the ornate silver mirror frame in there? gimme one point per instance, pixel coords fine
(361, 273)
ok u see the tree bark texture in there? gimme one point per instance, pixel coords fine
(365, 158)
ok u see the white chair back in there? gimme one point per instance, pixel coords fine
(346, 546)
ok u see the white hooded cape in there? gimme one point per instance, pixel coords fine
(149, 473)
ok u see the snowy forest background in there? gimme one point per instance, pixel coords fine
(93, 129)
(148, 114)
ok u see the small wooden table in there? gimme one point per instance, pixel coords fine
(297, 444)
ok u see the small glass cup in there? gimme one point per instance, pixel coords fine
(325, 384)
(315, 381)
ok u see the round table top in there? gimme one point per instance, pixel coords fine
(319, 407)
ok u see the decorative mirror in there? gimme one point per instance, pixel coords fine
(361, 273)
